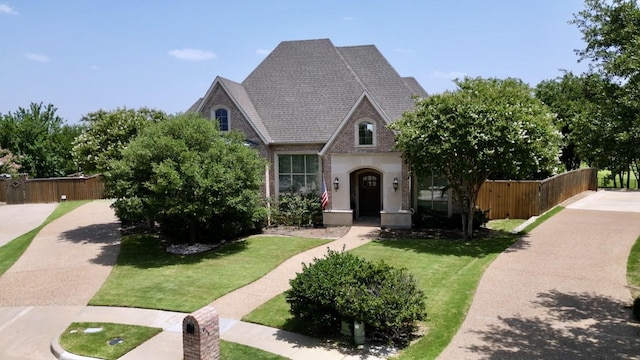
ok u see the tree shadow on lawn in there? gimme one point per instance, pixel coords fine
(145, 251)
(576, 326)
(107, 234)
(452, 244)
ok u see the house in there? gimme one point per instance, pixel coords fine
(318, 112)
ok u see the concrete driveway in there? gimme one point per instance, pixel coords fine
(560, 292)
(49, 286)
(16, 220)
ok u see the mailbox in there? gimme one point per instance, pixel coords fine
(201, 335)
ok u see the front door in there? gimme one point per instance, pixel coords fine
(369, 194)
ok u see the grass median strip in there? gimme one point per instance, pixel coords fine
(102, 340)
(146, 276)
(11, 251)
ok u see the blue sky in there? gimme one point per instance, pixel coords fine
(82, 56)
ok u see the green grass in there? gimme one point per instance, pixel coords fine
(633, 269)
(542, 218)
(146, 276)
(605, 180)
(505, 224)
(448, 271)
(96, 345)
(11, 251)
(233, 351)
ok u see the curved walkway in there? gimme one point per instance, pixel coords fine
(50, 284)
(560, 292)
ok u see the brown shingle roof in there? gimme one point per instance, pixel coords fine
(303, 90)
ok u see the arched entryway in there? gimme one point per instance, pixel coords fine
(366, 193)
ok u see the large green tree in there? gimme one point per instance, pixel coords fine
(485, 127)
(197, 183)
(38, 139)
(611, 30)
(566, 97)
(107, 133)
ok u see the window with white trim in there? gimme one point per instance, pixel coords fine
(297, 173)
(222, 116)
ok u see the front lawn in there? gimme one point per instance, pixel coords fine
(447, 270)
(146, 276)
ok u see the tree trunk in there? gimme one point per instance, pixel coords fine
(468, 227)
(192, 234)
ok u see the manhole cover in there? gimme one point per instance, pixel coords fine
(116, 341)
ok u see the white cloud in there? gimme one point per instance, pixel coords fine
(347, 18)
(192, 54)
(264, 52)
(6, 9)
(448, 75)
(37, 57)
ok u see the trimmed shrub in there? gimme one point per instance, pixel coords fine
(298, 209)
(343, 287)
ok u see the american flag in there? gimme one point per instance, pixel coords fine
(324, 197)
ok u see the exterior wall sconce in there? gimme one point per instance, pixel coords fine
(395, 184)
(336, 184)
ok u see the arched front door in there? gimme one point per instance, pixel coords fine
(369, 194)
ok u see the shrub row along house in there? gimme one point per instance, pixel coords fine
(319, 113)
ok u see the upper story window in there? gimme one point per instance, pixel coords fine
(222, 116)
(366, 135)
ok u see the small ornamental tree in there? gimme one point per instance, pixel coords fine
(487, 127)
(106, 133)
(197, 183)
(343, 287)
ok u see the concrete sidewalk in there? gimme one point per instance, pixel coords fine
(560, 292)
(168, 344)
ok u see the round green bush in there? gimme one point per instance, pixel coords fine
(343, 287)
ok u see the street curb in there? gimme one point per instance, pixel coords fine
(62, 354)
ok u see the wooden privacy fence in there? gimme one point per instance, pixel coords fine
(22, 190)
(523, 199)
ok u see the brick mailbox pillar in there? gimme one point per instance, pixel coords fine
(201, 335)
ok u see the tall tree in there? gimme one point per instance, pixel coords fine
(565, 96)
(486, 127)
(107, 133)
(611, 29)
(33, 136)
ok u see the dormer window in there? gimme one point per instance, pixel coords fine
(222, 116)
(366, 133)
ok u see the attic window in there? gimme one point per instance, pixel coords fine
(222, 115)
(366, 133)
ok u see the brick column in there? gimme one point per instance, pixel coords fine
(201, 335)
